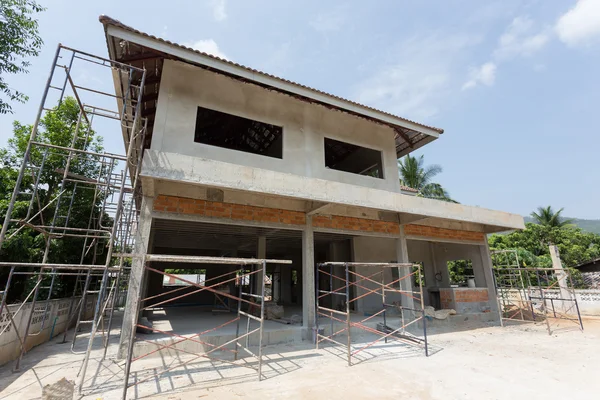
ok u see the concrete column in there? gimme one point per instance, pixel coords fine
(286, 284)
(402, 257)
(477, 260)
(488, 272)
(260, 253)
(136, 277)
(561, 276)
(436, 270)
(335, 254)
(441, 262)
(308, 280)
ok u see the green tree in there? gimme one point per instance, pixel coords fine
(57, 127)
(414, 174)
(546, 216)
(574, 245)
(18, 39)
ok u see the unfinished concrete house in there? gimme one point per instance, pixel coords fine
(244, 183)
(239, 163)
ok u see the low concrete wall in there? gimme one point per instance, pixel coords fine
(55, 323)
(588, 300)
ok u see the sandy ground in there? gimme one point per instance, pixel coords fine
(514, 362)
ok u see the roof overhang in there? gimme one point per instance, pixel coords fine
(128, 45)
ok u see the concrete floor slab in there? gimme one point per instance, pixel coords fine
(518, 361)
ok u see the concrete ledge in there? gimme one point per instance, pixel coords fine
(192, 170)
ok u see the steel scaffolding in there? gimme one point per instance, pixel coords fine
(255, 312)
(533, 294)
(378, 287)
(109, 180)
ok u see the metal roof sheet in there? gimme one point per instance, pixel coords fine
(108, 21)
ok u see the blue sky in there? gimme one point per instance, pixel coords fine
(515, 84)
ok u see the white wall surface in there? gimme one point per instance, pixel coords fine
(184, 88)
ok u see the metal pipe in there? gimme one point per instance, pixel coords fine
(33, 300)
(239, 280)
(32, 137)
(348, 315)
(5, 292)
(330, 297)
(317, 309)
(262, 319)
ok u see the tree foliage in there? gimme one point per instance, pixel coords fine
(78, 202)
(546, 216)
(414, 174)
(574, 245)
(18, 39)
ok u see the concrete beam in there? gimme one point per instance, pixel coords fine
(316, 207)
(405, 219)
(192, 170)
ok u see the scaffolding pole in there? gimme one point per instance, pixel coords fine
(529, 294)
(254, 312)
(379, 288)
(78, 168)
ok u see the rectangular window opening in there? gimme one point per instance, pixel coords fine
(182, 277)
(347, 157)
(232, 132)
(460, 272)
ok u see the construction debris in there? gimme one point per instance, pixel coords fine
(273, 311)
(61, 390)
(438, 314)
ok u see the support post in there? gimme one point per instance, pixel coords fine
(488, 272)
(561, 276)
(405, 284)
(308, 281)
(134, 292)
(261, 253)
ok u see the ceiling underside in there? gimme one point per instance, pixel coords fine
(225, 239)
(152, 60)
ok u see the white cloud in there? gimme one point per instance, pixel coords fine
(520, 39)
(207, 46)
(418, 78)
(581, 24)
(218, 8)
(484, 75)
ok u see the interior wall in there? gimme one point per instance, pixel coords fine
(373, 249)
(421, 252)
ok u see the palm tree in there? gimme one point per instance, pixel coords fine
(547, 217)
(415, 175)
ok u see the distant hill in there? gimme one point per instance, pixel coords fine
(589, 225)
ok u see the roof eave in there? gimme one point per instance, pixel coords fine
(263, 79)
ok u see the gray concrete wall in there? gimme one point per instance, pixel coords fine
(433, 255)
(372, 249)
(185, 87)
(420, 252)
(55, 324)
